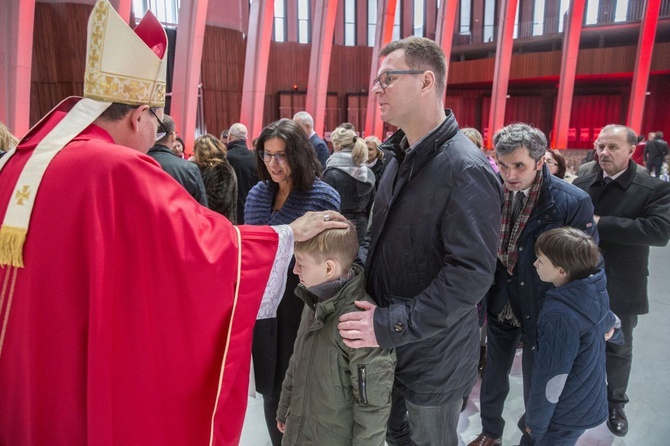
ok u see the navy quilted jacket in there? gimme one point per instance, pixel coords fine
(569, 390)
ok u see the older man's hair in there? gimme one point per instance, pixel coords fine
(237, 131)
(519, 135)
(422, 54)
(631, 136)
(303, 118)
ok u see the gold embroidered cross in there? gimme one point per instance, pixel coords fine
(23, 194)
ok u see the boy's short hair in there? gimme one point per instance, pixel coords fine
(570, 249)
(339, 243)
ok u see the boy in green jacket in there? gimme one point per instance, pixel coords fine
(333, 394)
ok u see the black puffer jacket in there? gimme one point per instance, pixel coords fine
(431, 258)
(356, 186)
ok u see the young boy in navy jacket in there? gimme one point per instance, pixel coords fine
(569, 392)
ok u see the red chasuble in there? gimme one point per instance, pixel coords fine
(124, 327)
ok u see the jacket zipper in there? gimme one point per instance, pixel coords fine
(362, 384)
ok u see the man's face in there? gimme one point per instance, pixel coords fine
(613, 151)
(518, 169)
(398, 99)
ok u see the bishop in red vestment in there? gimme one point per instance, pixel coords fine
(126, 308)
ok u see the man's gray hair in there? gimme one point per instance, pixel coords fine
(237, 131)
(303, 118)
(516, 135)
(631, 136)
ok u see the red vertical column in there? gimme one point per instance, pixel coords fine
(446, 21)
(383, 35)
(256, 65)
(319, 61)
(123, 8)
(187, 63)
(645, 48)
(566, 84)
(17, 20)
(503, 63)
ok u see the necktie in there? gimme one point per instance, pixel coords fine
(519, 202)
(607, 180)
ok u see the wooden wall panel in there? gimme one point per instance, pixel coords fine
(57, 70)
(222, 77)
(616, 60)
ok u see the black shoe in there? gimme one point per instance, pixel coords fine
(617, 421)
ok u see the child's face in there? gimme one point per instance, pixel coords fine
(312, 272)
(549, 272)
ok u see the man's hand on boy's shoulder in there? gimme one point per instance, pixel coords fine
(357, 328)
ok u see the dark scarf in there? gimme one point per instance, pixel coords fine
(509, 234)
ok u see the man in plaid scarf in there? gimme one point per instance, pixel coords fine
(517, 294)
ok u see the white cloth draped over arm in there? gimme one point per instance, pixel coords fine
(274, 290)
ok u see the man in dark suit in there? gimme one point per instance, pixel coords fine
(305, 121)
(243, 161)
(184, 172)
(632, 212)
(655, 152)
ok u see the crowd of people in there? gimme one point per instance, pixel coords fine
(370, 282)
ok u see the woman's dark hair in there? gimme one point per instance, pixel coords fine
(560, 163)
(300, 154)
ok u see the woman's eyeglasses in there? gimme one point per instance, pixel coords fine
(280, 157)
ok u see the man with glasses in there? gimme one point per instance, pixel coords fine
(184, 172)
(431, 249)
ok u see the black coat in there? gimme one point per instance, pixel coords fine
(244, 163)
(634, 214)
(184, 172)
(321, 149)
(431, 257)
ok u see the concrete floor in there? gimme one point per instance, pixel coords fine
(649, 390)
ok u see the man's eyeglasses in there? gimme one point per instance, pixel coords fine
(162, 131)
(280, 157)
(385, 78)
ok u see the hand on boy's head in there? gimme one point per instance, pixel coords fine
(357, 328)
(313, 223)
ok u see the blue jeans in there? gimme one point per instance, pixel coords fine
(559, 437)
(413, 425)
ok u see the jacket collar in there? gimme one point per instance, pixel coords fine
(397, 143)
(325, 298)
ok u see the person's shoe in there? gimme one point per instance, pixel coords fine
(617, 421)
(485, 440)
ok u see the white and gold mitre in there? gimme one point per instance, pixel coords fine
(124, 65)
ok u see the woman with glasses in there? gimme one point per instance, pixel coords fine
(288, 188)
(556, 164)
(218, 175)
(352, 179)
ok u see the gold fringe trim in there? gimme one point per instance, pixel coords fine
(12, 240)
